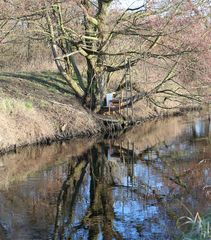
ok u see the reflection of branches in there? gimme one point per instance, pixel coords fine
(174, 177)
(3, 234)
(98, 218)
(73, 182)
(100, 214)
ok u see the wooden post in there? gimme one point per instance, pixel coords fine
(133, 158)
(126, 87)
(121, 100)
(119, 105)
(130, 80)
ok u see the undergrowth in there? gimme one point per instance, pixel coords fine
(195, 227)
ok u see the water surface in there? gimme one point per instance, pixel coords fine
(133, 187)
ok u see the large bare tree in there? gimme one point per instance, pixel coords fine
(93, 44)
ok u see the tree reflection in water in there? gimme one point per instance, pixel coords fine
(128, 188)
(99, 215)
(105, 173)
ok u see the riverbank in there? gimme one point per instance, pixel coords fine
(34, 108)
(39, 108)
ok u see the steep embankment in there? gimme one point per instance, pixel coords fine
(39, 107)
(36, 108)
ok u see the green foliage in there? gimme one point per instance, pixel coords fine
(196, 227)
(9, 104)
(29, 105)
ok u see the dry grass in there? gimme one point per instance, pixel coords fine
(37, 66)
(22, 123)
(35, 108)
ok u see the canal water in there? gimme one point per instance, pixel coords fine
(136, 186)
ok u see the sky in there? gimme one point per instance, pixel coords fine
(131, 3)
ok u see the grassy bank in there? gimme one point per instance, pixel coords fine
(39, 107)
(36, 108)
